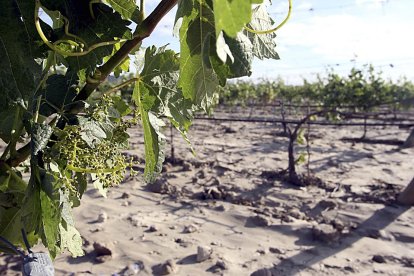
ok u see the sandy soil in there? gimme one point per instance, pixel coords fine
(227, 212)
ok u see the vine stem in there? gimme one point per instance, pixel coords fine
(53, 46)
(277, 27)
(115, 88)
(142, 9)
(143, 31)
(88, 170)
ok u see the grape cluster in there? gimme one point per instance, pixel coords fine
(103, 159)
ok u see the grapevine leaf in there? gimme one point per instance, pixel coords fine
(222, 69)
(242, 49)
(16, 184)
(35, 45)
(82, 184)
(4, 181)
(301, 140)
(197, 80)
(107, 27)
(31, 209)
(173, 105)
(66, 208)
(40, 137)
(19, 72)
(121, 107)
(97, 184)
(301, 159)
(241, 63)
(50, 208)
(10, 224)
(71, 239)
(100, 25)
(127, 9)
(223, 49)
(59, 93)
(232, 15)
(163, 98)
(11, 121)
(158, 144)
(91, 131)
(153, 138)
(6, 200)
(159, 62)
(263, 44)
(50, 223)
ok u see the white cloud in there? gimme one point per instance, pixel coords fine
(371, 3)
(340, 37)
(304, 5)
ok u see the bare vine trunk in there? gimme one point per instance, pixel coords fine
(293, 176)
(409, 143)
(407, 195)
(365, 128)
(283, 113)
(293, 135)
(172, 144)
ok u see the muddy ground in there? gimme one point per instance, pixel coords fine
(229, 211)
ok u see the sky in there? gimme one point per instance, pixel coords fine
(322, 34)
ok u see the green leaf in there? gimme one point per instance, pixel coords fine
(69, 236)
(127, 8)
(40, 137)
(31, 209)
(239, 65)
(197, 80)
(242, 50)
(121, 106)
(58, 94)
(66, 207)
(105, 27)
(223, 50)
(263, 44)
(35, 44)
(4, 181)
(51, 217)
(158, 146)
(93, 132)
(154, 140)
(301, 159)
(159, 88)
(81, 186)
(97, 184)
(231, 15)
(10, 224)
(11, 123)
(19, 73)
(301, 140)
(71, 240)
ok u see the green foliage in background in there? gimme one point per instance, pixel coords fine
(362, 90)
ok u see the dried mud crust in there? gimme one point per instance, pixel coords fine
(323, 200)
(329, 226)
(234, 199)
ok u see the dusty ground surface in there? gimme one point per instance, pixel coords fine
(227, 212)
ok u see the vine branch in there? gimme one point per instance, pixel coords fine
(143, 31)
